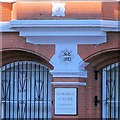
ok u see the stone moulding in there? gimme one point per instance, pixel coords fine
(66, 35)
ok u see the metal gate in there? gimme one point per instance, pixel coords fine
(111, 91)
(25, 91)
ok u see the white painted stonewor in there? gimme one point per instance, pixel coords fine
(66, 35)
(58, 8)
(64, 68)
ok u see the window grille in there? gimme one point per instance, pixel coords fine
(111, 91)
(25, 91)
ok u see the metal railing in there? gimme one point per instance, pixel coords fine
(111, 91)
(25, 91)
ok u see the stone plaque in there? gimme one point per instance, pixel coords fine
(65, 101)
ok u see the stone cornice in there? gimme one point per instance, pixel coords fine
(64, 23)
(82, 74)
(69, 83)
(66, 35)
(16, 25)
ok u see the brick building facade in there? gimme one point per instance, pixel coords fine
(78, 42)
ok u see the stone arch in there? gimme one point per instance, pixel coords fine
(12, 55)
(36, 68)
(103, 58)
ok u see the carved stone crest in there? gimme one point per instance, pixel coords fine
(66, 56)
(58, 9)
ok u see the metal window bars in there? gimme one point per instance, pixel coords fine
(111, 91)
(25, 91)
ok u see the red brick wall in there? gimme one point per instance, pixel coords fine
(5, 11)
(94, 88)
(81, 96)
(110, 10)
(98, 56)
(113, 42)
(83, 10)
(43, 10)
(86, 94)
(12, 41)
(30, 10)
(74, 10)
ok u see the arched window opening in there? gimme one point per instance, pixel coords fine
(111, 91)
(25, 90)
